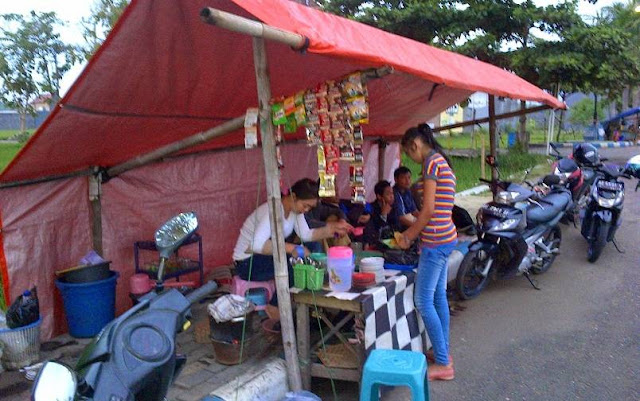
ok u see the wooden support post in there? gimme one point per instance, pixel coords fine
(482, 156)
(382, 146)
(95, 193)
(493, 143)
(276, 215)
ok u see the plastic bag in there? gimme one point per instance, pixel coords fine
(229, 306)
(24, 310)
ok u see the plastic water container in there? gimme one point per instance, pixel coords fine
(340, 265)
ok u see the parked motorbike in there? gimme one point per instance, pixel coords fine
(603, 213)
(518, 233)
(134, 356)
(577, 171)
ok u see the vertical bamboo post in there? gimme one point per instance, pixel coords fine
(492, 134)
(382, 146)
(276, 215)
(482, 156)
(95, 193)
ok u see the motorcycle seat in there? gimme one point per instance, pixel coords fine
(537, 214)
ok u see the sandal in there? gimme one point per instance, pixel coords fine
(432, 359)
(441, 372)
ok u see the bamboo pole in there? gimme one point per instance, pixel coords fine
(253, 28)
(382, 146)
(95, 195)
(492, 134)
(193, 140)
(497, 117)
(276, 215)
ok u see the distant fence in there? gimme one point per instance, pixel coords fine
(10, 120)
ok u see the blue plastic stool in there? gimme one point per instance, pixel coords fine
(392, 367)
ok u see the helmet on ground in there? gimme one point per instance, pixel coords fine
(633, 166)
(585, 154)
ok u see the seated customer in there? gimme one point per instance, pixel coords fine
(383, 222)
(404, 207)
(254, 250)
(328, 209)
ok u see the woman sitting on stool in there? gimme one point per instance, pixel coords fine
(253, 253)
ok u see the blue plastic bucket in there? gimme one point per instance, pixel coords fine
(89, 306)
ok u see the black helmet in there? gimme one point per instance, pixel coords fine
(585, 154)
(633, 166)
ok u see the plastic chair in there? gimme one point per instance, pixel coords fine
(240, 287)
(392, 367)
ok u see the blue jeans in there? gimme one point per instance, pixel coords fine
(431, 298)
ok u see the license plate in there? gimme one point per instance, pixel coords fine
(610, 185)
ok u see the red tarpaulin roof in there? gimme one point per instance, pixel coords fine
(163, 75)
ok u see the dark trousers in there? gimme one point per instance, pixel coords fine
(262, 269)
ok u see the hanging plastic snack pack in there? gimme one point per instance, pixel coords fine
(24, 310)
(347, 152)
(358, 110)
(352, 85)
(277, 112)
(357, 175)
(251, 128)
(358, 194)
(327, 187)
(277, 135)
(290, 126)
(322, 162)
(358, 154)
(312, 136)
(279, 157)
(289, 105)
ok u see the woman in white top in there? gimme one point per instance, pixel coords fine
(254, 248)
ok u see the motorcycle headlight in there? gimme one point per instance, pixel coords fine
(508, 224)
(506, 196)
(611, 202)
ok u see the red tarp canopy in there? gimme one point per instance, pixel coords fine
(163, 75)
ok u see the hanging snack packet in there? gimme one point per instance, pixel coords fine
(357, 174)
(312, 136)
(326, 137)
(333, 166)
(357, 134)
(346, 152)
(352, 85)
(300, 115)
(358, 110)
(322, 162)
(277, 135)
(327, 187)
(358, 154)
(290, 126)
(251, 128)
(279, 158)
(358, 194)
(277, 111)
(331, 151)
(289, 105)
(298, 98)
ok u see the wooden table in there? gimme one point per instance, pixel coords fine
(385, 314)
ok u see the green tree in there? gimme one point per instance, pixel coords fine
(96, 27)
(582, 112)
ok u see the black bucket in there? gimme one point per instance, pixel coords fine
(87, 274)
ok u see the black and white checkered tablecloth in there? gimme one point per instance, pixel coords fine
(391, 320)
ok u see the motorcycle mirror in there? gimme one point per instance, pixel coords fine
(174, 232)
(55, 381)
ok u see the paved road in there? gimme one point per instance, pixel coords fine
(577, 339)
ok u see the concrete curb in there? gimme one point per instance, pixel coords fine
(473, 191)
(597, 144)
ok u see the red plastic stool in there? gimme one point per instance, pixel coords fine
(240, 287)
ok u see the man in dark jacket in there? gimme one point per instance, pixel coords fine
(383, 221)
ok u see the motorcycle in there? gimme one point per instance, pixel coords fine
(134, 357)
(577, 171)
(518, 233)
(603, 213)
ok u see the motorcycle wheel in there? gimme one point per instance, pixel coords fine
(552, 240)
(469, 281)
(597, 243)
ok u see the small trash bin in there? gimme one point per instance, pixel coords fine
(20, 346)
(89, 306)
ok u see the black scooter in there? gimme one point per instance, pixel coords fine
(518, 233)
(134, 356)
(603, 213)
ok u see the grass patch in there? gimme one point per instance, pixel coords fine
(7, 152)
(6, 134)
(467, 170)
(465, 141)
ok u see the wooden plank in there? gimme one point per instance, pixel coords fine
(276, 214)
(304, 340)
(319, 370)
(333, 330)
(306, 297)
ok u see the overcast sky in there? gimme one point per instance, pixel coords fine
(72, 11)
